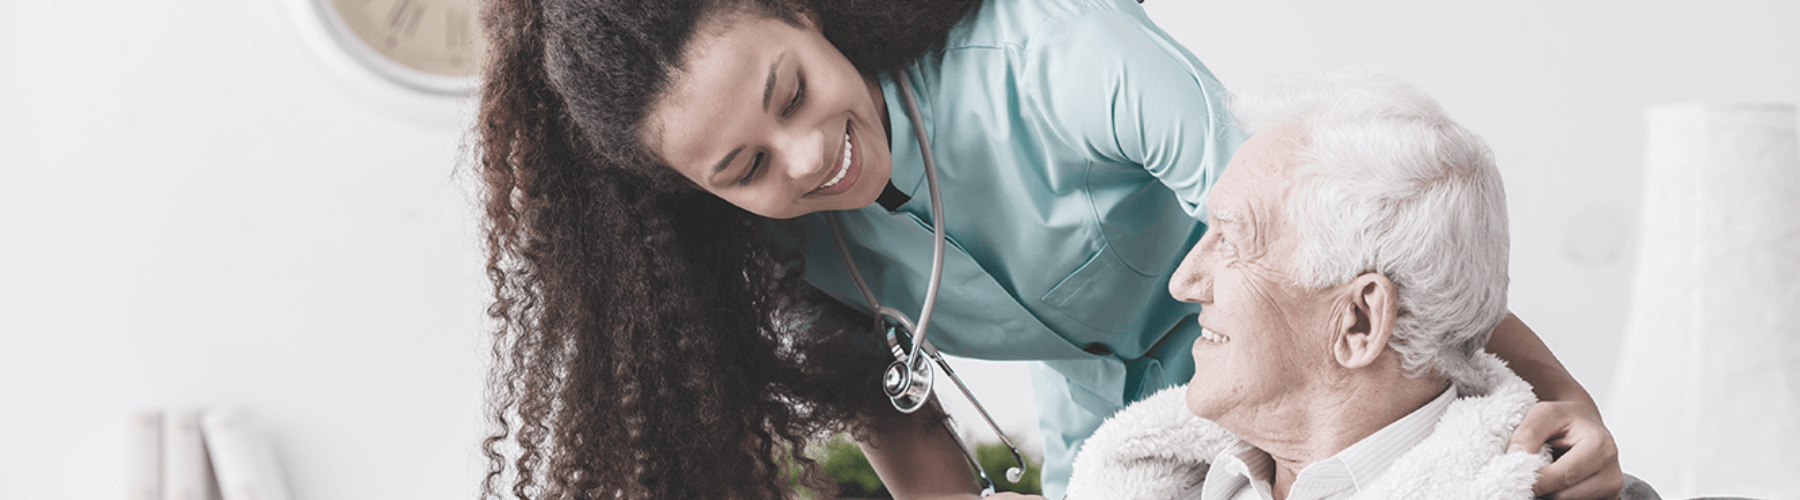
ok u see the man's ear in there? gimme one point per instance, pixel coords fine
(1366, 324)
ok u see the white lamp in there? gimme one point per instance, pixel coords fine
(1707, 396)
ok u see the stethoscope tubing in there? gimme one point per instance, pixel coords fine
(939, 225)
(920, 345)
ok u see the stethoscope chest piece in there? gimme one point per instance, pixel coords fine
(908, 388)
(908, 379)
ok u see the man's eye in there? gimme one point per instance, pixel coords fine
(799, 96)
(755, 166)
(1226, 246)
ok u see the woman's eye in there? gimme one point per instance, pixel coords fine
(755, 166)
(799, 96)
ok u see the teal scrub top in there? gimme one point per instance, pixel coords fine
(1075, 144)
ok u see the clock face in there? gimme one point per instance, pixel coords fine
(434, 44)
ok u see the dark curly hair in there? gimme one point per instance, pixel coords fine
(651, 342)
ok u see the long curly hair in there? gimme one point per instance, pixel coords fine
(650, 341)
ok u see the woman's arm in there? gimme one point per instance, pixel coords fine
(1533, 361)
(917, 458)
(1566, 419)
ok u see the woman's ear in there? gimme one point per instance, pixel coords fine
(808, 17)
(1367, 323)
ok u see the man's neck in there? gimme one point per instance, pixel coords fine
(1334, 417)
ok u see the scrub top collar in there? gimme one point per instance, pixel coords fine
(891, 198)
(908, 172)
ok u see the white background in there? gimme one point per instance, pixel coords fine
(196, 209)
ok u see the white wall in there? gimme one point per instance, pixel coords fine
(191, 212)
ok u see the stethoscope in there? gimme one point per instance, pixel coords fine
(908, 379)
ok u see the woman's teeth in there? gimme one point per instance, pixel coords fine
(1212, 336)
(843, 166)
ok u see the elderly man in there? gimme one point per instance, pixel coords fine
(1355, 264)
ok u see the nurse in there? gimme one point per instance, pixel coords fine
(675, 320)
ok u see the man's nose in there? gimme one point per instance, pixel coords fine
(1192, 282)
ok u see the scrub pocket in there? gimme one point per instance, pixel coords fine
(1105, 295)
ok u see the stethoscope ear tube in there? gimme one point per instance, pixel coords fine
(1013, 474)
(909, 379)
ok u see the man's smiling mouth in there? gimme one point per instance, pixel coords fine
(1212, 336)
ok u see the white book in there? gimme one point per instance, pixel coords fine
(243, 456)
(143, 456)
(186, 473)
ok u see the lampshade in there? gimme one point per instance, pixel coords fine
(1707, 395)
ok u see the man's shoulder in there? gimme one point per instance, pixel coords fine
(1465, 454)
(1154, 448)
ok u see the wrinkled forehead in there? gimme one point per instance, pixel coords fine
(1261, 176)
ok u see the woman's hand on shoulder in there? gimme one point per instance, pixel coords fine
(1567, 420)
(1588, 469)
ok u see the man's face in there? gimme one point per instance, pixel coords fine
(1266, 332)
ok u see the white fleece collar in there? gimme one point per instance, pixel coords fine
(1155, 449)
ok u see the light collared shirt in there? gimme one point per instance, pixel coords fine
(1243, 472)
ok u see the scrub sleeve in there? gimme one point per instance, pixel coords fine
(1127, 93)
(1075, 145)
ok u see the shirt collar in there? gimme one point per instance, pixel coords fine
(1357, 466)
(1237, 467)
(1371, 456)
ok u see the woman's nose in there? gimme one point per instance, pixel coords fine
(801, 152)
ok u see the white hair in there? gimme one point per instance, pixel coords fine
(1388, 184)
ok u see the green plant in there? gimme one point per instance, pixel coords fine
(845, 462)
(996, 459)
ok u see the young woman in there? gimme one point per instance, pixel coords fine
(675, 318)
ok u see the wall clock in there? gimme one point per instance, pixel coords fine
(430, 46)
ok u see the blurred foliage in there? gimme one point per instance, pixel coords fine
(996, 459)
(844, 461)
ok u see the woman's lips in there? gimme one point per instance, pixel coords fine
(849, 167)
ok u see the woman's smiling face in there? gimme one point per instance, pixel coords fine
(772, 118)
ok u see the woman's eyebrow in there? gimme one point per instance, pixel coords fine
(768, 91)
(724, 163)
(769, 86)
